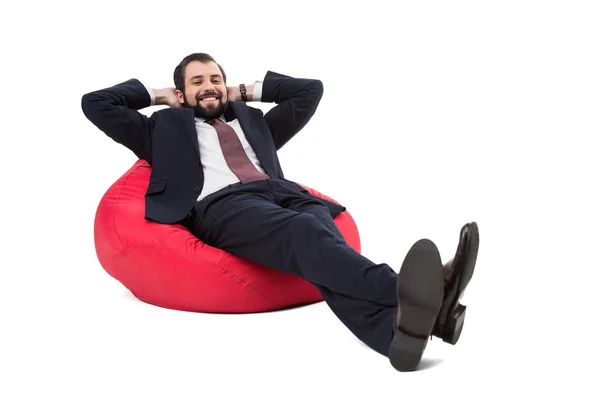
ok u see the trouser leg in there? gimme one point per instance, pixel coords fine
(370, 322)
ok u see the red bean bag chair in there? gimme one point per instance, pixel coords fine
(165, 265)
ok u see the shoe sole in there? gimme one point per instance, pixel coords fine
(420, 291)
(456, 316)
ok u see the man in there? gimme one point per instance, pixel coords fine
(215, 170)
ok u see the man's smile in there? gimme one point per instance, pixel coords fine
(208, 99)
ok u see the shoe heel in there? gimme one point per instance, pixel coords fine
(454, 325)
(406, 351)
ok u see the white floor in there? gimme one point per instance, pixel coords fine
(494, 111)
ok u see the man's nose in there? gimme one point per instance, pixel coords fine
(209, 87)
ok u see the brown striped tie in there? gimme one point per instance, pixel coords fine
(234, 153)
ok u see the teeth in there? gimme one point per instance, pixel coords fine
(209, 98)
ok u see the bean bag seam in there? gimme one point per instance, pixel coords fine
(221, 270)
(225, 257)
(119, 197)
(114, 217)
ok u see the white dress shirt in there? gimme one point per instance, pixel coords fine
(217, 174)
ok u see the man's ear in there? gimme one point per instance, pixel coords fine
(180, 96)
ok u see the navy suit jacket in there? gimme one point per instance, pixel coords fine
(168, 140)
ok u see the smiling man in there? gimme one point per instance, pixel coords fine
(215, 170)
(204, 89)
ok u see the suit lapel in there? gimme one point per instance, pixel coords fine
(189, 121)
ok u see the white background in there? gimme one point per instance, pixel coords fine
(493, 109)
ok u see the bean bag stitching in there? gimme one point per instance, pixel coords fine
(244, 281)
(217, 266)
(117, 202)
(114, 221)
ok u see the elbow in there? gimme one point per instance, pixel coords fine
(91, 105)
(318, 87)
(314, 92)
(86, 103)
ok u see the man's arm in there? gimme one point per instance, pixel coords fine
(114, 111)
(296, 98)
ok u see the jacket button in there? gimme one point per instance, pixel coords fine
(197, 189)
(198, 162)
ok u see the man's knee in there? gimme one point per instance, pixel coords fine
(309, 227)
(304, 220)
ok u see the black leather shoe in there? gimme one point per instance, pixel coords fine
(420, 293)
(449, 324)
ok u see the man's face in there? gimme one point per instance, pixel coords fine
(205, 90)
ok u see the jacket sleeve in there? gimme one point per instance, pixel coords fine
(114, 111)
(297, 100)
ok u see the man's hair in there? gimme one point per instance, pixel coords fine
(179, 74)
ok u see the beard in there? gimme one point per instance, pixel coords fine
(210, 112)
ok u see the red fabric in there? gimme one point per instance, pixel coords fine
(167, 266)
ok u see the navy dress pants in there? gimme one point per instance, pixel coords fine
(277, 224)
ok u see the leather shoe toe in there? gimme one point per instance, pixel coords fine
(450, 320)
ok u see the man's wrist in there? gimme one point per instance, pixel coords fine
(249, 92)
(160, 97)
(151, 94)
(235, 93)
